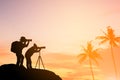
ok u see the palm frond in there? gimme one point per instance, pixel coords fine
(113, 43)
(81, 54)
(104, 33)
(97, 55)
(93, 58)
(103, 41)
(117, 39)
(102, 37)
(84, 49)
(82, 57)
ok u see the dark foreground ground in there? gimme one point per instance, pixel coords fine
(13, 72)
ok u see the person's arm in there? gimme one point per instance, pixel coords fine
(37, 49)
(27, 43)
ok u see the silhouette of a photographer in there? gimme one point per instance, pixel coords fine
(29, 53)
(17, 47)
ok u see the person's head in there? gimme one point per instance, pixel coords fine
(35, 46)
(22, 39)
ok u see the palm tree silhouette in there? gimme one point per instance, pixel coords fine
(113, 41)
(90, 54)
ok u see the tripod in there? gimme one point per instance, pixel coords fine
(39, 60)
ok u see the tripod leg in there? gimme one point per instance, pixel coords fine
(37, 62)
(42, 62)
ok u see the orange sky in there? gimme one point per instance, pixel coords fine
(62, 26)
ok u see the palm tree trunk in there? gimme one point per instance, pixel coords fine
(114, 62)
(91, 69)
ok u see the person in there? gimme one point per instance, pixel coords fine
(29, 53)
(17, 47)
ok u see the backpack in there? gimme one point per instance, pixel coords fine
(15, 46)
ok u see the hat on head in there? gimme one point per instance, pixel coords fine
(22, 38)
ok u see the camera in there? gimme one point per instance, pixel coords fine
(28, 39)
(43, 47)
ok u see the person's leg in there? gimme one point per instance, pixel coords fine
(28, 62)
(21, 60)
(30, 65)
(18, 59)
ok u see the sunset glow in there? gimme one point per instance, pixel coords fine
(63, 26)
